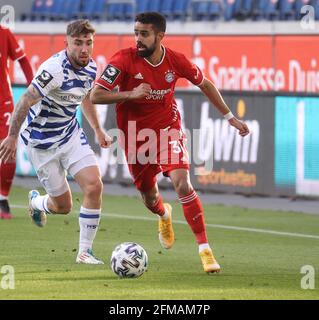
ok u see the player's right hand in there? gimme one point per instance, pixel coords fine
(142, 91)
(8, 149)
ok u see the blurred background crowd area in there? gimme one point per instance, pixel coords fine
(182, 10)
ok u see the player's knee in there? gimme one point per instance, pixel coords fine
(183, 187)
(150, 199)
(94, 188)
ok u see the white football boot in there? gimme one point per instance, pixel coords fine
(87, 257)
(37, 216)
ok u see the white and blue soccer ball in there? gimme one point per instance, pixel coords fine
(129, 260)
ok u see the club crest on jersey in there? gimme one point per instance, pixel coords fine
(110, 74)
(169, 76)
(44, 78)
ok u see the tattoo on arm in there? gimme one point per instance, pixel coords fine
(28, 99)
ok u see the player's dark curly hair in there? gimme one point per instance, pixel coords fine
(154, 18)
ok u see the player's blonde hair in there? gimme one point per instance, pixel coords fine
(78, 27)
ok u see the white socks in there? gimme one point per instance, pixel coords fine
(41, 203)
(89, 220)
(3, 197)
(203, 246)
(165, 216)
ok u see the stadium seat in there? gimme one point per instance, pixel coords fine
(154, 5)
(115, 11)
(141, 6)
(85, 10)
(129, 10)
(315, 4)
(286, 9)
(271, 10)
(120, 9)
(229, 9)
(57, 9)
(92, 10)
(180, 9)
(166, 9)
(48, 7)
(215, 10)
(258, 10)
(200, 9)
(51, 10)
(71, 7)
(243, 9)
(99, 9)
(38, 7)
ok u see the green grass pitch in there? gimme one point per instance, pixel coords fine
(255, 264)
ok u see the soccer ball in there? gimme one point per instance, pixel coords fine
(129, 260)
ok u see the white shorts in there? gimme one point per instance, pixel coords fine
(51, 165)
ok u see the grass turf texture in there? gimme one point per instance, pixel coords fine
(254, 265)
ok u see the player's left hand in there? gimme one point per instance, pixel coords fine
(8, 149)
(103, 138)
(241, 126)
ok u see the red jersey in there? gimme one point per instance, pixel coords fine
(9, 48)
(127, 70)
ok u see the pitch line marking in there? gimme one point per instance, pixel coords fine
(210, 225)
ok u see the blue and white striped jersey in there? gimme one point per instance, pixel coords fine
(52, 121)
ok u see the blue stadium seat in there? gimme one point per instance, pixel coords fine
(86, 10)
(71, 7)
(286, 9)
(120, 9)
(92, 10)
(315, 4)
(129, 11)
(50, 10)
(215, 10)
(243, 9)
(142, 6)
(200, 9)
(229, 9)
(112, 11)
(99, 9)
(258, 10)
(38, 7)
(166, 9)
(154, 5)
(115, 10)
(180, 9)
(271, 10)
(45, 11)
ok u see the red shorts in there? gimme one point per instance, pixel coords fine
(164, 153)
(6, 110)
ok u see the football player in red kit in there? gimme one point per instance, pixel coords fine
(9, 48)
(146, 76)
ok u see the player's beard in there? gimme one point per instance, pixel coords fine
(148, 51)
(82, 62)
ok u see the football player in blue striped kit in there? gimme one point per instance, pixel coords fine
(53, 137)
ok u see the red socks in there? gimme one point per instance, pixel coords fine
(194, 215)
(7, 171)
(158, 207)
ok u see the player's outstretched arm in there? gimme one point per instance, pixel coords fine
(90, 114)
(9, 144)
(214, 96)
(27, 69)
(100, 95)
